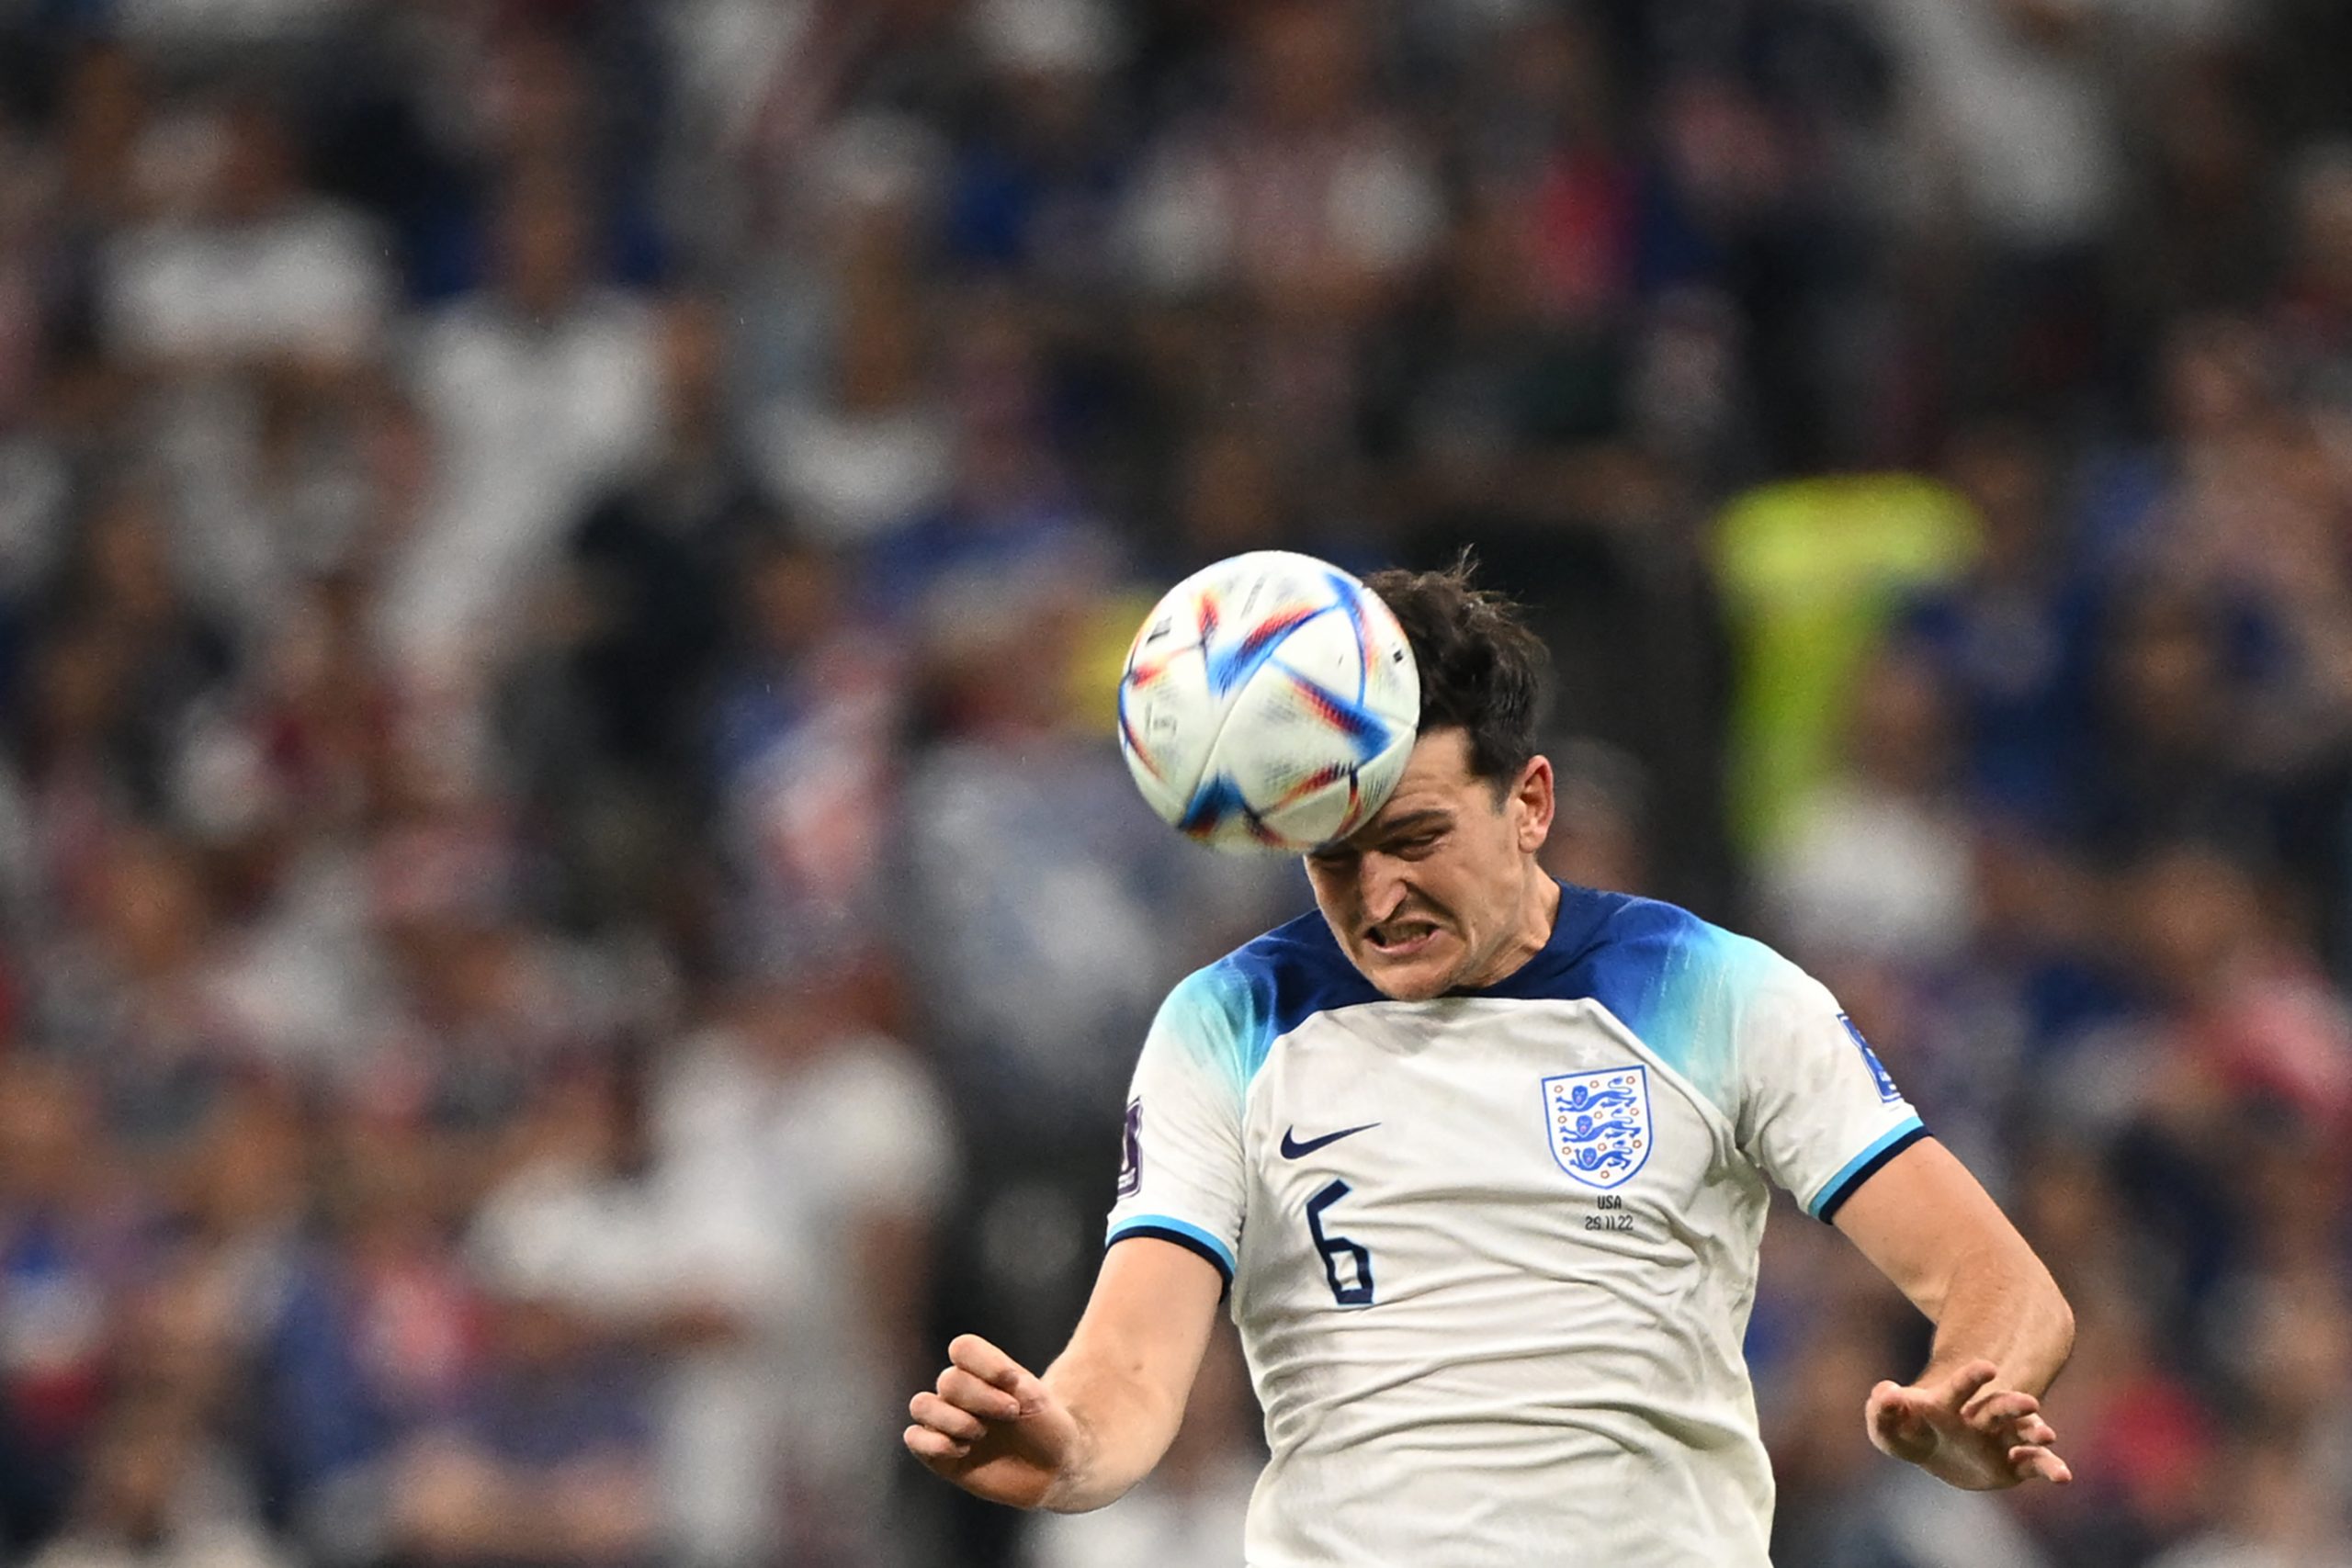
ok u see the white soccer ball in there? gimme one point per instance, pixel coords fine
(1269, 703)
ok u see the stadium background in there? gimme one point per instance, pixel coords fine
(568, 905)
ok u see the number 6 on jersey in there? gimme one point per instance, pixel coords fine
(1334, 1247)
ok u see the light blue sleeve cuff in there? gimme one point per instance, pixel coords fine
(1863, 1166)
(1183, 1233)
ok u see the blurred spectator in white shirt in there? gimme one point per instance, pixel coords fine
(543, 392)
(255, 270)
(1877, 862)
(160, 1492)
(546, 1460)
(871, 452)
(801, 1156)
(1306, 197)
(2275, 1512)
(2011, 107)
(1306, 202)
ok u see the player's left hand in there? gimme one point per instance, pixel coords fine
(1962, 1428)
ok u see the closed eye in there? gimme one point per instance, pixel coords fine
(1411, 836)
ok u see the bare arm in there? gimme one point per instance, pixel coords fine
(1104, 1412)
(1973, 1417)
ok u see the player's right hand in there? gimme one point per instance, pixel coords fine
(993, 1428)
(1965, 1428)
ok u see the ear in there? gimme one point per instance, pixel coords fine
(1531, 804)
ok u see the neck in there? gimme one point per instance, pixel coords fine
(1539, 910)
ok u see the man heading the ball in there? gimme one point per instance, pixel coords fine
(1483, 1160)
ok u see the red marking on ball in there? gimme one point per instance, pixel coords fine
(1135, 745)
(1274, 626)
(1320, 779)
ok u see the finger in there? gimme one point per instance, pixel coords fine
(933, 1448)
(1994, 1406)
(1965, 1382)
(2030, 1461)
(1896, 1423)
(1993, 1394)
(941, 1417)
(962, 1390)
(1890, 1407)
(986, 1362)
(2030, 1427)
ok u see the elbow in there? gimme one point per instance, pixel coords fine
(2061, 1315)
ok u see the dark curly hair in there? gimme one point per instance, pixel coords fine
(1481, 668)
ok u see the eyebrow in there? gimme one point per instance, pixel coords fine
(1411, 821)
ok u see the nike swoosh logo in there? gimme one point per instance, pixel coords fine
(1293, 1148)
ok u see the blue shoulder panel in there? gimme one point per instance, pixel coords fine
(1238, 1006)
(1302, 972)
(1666, 975)
(1673, 979)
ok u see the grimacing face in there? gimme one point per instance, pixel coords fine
(1440, 889)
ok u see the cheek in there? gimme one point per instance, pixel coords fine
(1468, 881)
(1451, 882)
(1332, 892)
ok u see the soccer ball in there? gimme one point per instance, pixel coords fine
(1269, 703)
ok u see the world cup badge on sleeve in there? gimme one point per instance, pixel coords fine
(1131, 1151)
(1887, 1093)
(1599, 1124)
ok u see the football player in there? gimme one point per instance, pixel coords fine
(1482, 1160)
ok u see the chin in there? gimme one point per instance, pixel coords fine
(1411, 989)
(1416, 979)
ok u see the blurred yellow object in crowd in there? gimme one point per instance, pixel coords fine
(1811, 572)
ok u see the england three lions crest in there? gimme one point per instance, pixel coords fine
(1599, 1124)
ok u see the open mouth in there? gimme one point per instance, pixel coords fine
(1400, 939)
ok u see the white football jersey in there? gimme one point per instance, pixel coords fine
(1492, 1254)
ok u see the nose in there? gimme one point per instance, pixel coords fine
(1381, 887)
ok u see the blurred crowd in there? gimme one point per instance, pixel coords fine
(568, 909)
